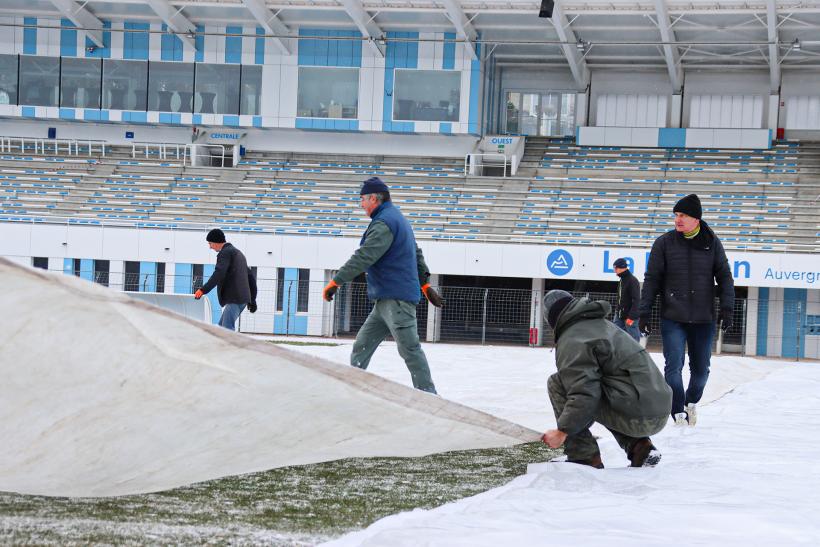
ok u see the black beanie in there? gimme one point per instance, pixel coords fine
(689, 205)
(621, 263)
(373, 185)
(215, 236)
(555, 301)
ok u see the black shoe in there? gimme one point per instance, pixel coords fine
(594, 461)
(644, 454)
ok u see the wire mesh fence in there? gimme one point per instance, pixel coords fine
(775, 327)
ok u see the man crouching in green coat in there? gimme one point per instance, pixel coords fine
(603, 376)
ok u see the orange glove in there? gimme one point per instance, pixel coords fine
(198, 294)
(432, 295)
(330, 290)
(629, 322)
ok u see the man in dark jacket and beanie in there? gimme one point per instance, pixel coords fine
(629, 297)
(603, 376)
(683, 267)
(396, 277)
(235, 283)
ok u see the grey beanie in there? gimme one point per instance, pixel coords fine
(554, 303)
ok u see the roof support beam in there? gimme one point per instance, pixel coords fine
(367, 26)
(670, 51)
(82, 18)
(464, 29)
(774, 53)
(577, 64)
(177, 22)
(270, 22)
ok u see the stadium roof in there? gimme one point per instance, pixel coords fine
(662, 34)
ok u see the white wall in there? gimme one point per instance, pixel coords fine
(632, 82)
(724, 83)
(641, 110)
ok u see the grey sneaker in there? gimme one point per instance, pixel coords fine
(692, 413)
(680, 419)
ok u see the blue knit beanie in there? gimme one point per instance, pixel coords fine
(373, 185)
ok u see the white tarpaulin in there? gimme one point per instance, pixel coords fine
(104, 395)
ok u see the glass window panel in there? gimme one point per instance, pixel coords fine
(217, 89)
(513, 102)
(251, 92)
(8, 79)
(328, 92)
(124, 85)
(39, 80)
(80, 83)
(427, 95)
(170, 87)
(304, 290)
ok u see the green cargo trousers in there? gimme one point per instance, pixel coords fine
(397, 318)
(626, 430)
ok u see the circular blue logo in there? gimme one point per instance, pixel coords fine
(559, 262)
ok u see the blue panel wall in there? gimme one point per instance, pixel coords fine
(287, 321)
(68, 39)
(794, 317)
(216, 309)
(199, 42)
(762, 321)
(449, 60)
(183, 278)
(259, 47)
(100, 52)
(400, 54)
(233, 45)
(148, 277)
(68, 266)
(330, 48)
(30, 36)
(671, 137)
(135, 44)
(87, 269)
(170, 46)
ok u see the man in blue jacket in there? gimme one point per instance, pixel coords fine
(396, 277)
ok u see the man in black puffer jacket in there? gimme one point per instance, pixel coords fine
(683, 267)
(629, 296)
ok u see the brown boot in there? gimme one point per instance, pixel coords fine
(594, 461)
(643, 453)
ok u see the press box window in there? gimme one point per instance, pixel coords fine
(80, 83)
(170, 87)
(328, 92)
(250, 92)
(39, 80)
(124, 85)
(426, 95)
(217, 89)
(8, 79)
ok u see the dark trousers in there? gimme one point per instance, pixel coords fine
(677, 339)
(626, 430)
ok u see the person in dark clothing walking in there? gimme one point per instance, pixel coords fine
(683, 266)
(629, 297)
(603, 376)
(235, 283)
(396, 277)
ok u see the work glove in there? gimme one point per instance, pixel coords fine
(252, 307)
(330, 290)
(629, 322)
(432, 296)
(198, 294)
(645, 329)
(726, 320)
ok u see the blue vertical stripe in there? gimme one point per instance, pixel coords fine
(216, 309)
(259, 47)
(762, 320)
(30, 36)
(68, 39)
(475, 83)
(183, 278)
(87, 269)
(794, 317)
(330, 48)
(96, 51)
(67, 113)
(135, 44)
(68, 266)
(170, 46)
(288, 322)
(148, 277)
(199, 42)
(233, 45)
(449, 60)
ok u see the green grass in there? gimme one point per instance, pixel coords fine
(302, 343)
(299, 505)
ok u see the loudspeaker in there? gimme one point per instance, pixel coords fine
(546, 9)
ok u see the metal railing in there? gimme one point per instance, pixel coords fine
(161, 150)
(471, 165)
(71, 147)
(193, 153)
